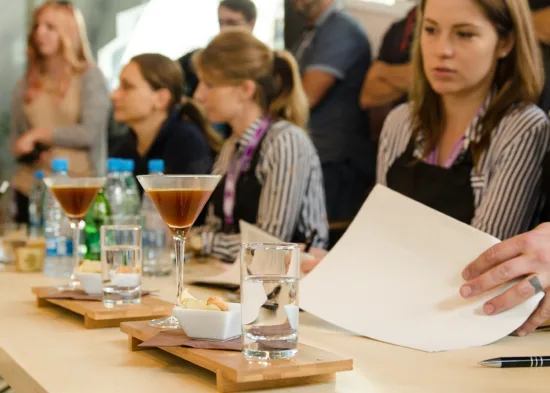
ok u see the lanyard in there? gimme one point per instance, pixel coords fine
(455, 152)
(233, 171)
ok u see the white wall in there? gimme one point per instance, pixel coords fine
(377, 17)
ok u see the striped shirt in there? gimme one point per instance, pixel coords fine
(506, 182)
(292, 196)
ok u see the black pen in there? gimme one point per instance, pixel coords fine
(531, 361)
(310, 240)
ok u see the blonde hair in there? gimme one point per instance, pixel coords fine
(235, 56)
(75, 47)
(518, 79)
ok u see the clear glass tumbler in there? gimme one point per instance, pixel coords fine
(121, 260)
(269, 300)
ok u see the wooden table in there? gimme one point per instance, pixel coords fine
(48, 350)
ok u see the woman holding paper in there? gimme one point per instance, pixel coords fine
(271, 171)
(471, 141)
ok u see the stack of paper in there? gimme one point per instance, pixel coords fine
(395, 277)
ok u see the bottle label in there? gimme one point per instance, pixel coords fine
(59, 247)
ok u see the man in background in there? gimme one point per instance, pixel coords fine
(334, 56)
(389, 79)
(231, 13)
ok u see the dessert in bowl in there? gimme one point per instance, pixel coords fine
(211, 319)
(89, 275)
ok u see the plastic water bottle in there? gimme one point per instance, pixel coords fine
(115, 188)
(57, 231)
(36, 204)
(156, 258)
(133, 202)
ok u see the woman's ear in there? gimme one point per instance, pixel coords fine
(505, 45)
(163, 99)
(247, 89)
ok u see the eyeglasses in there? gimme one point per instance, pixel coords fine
(64, 3)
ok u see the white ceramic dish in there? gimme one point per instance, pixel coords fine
(210, 325)
(91, 283)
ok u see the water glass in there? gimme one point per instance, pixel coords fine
(269, 300)
(121, 258)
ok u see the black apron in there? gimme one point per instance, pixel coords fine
(447, 190)
(247, 198)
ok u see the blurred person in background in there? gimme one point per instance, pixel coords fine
(60, 107)
(231, 13)
(334, 56)
(162, 125)
(389, 78)
(271, 171)
(541, 20)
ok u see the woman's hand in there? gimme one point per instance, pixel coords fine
(525, 256)
(24, 144)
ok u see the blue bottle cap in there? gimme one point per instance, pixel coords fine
(38, 175)
(156, 166)
(114, 164)
(129, 165)
(60, 165)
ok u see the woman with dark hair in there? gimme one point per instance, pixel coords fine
(162, 126)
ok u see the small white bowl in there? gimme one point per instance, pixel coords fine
(91, 282)
(210, 325)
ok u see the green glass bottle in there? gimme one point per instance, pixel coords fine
(99, 213)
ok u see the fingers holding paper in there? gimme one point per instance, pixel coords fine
(526, 256)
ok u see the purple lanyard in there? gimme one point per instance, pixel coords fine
(233, 172)
(455, 152)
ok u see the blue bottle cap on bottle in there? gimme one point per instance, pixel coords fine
(60, 165)
(156, 166)
(38, 175)
(129, 165)
(114, 164)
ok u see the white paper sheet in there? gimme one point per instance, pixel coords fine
(395, 277)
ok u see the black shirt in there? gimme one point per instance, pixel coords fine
(544, 103)
(538, 4)
(180, 143)
(397, 43)
(191, 79)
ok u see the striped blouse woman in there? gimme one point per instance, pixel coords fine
(470, 143)
(271, 171)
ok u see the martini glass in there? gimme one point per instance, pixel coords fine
(75, 195)
(179, 200)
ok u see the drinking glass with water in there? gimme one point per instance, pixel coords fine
(269, 299)
(121, 258)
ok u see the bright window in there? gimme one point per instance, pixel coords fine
(173, 28)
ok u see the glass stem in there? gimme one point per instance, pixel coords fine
(179, 244)
(75, 225)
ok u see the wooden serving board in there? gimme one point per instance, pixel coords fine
(234, 373)
(97, 316)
